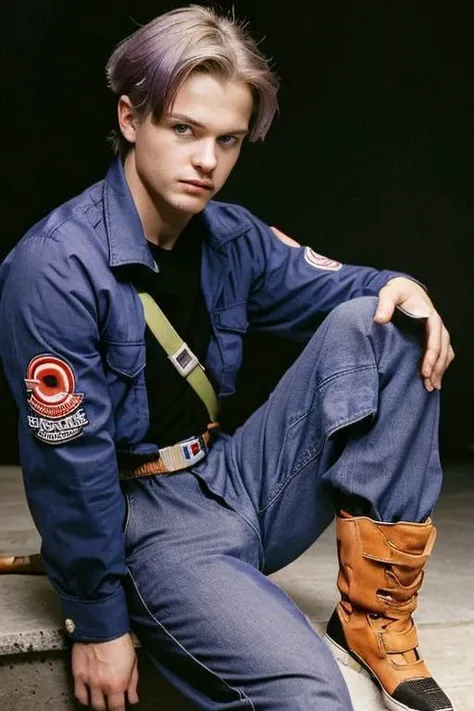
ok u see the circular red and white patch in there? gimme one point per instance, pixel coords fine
(317, 261)
(50, 384)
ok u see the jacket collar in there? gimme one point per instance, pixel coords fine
(127, 242)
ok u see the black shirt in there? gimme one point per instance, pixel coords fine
(176, 412)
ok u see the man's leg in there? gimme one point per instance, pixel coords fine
(216, 627)
(350, 428)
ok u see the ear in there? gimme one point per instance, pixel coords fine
(127, 118)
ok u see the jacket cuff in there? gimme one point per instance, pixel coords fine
(96, 620)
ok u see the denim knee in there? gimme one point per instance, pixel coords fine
(353, 322)
(357, 312)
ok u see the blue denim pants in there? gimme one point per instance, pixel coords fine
(350, 424)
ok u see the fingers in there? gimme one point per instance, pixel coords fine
(115, 702)
(433, 348)
(80, 692)
(98, 699)
(440, 365)
(386, 305)
(132, 687)
(105, 671)
(105, 702)
(451, 355)
(439, 353)
(445, 358)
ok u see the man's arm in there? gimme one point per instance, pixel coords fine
(50, 351)
(296, 288)
(51, 359)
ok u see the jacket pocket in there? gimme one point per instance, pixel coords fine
(231, 323)
(233, 318)
(125, 371)
(127, 359)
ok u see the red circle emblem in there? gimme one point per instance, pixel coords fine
(50, 383)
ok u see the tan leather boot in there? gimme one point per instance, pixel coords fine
(28, 565)
(380, 573)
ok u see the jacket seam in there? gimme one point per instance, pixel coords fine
(122, 343)
(51, 234)
(222, 240)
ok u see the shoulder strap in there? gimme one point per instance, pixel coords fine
(182, 357)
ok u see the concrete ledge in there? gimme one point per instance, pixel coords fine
(30, 615)
(35, 681)
(29, 682)
(34, 658)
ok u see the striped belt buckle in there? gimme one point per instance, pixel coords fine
(184, 454)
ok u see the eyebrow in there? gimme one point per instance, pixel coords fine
(193, 122)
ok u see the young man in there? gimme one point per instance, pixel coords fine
(152, 519)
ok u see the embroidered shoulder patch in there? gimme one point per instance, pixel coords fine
(317, 261)
(56, 414)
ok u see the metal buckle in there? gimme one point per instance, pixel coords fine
(184, 360)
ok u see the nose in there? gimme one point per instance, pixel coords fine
(205, 157)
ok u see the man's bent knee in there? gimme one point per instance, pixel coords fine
(356, 311)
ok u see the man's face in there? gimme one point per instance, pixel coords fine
(185, 158)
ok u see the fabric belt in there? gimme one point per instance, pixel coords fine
(168, 459)
(180, 355)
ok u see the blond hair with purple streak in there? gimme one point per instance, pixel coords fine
(151, 65)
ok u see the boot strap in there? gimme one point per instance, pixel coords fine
(399, 642)
(382, 565)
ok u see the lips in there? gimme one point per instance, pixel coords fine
(198, 184)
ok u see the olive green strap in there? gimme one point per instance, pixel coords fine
(180, 354)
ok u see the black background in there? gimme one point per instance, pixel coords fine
(369, 161)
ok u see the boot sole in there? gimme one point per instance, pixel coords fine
(356, 664)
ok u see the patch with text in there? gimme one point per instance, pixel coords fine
(50, 393)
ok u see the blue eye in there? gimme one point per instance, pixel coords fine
(182, 129)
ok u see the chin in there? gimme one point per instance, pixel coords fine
(189, 204)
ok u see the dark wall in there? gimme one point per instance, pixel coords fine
(369, 161)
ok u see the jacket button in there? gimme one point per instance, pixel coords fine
(69, 625)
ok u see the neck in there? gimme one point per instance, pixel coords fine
(161, 224)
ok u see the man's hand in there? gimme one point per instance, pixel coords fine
(411, 298)
(104, 672)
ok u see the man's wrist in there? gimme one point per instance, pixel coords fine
(404, 277)
(98, 620)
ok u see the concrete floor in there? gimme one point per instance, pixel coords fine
(30, 617)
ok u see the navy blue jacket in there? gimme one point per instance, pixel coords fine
(73, 351)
